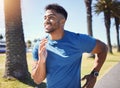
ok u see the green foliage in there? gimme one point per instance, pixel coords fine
(28, 44)
(106, 5)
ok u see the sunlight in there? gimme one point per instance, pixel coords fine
(1, 9)
(10, 6)
(2, 18)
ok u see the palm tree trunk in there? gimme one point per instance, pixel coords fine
(89, 16)
(107, 25)
(117, 33)
(89, 21)
(16, 64)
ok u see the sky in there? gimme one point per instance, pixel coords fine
(33, 14)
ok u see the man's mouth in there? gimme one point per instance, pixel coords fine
(47, 25)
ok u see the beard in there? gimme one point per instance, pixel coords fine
(49, 28)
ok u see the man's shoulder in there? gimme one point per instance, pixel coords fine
(75, 34)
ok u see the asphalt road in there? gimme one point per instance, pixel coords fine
(110, 79)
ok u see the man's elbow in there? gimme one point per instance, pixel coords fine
(105, 48)
(100, 47)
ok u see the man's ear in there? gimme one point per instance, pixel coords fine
(62, 22)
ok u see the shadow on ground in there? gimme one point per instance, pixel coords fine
(29, 81)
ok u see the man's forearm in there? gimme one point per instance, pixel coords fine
(100, 58)
(39, 72)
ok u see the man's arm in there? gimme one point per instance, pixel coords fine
(101, 52)
(39, 69)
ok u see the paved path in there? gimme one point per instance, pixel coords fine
(110, 79)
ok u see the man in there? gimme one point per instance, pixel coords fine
(58, 56)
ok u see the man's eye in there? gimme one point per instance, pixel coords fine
(51, 18)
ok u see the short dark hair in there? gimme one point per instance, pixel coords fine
(57, 8)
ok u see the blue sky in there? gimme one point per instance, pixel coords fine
(33, 13)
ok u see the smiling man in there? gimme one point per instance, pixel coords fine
(58, 57)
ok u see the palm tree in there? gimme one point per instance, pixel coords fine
(104, 6)
(89, 16)
(117, 32)
(16, 64)
(116, 15)
(88, 4)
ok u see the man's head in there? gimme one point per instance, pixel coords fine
(55, 17)
(58, 9)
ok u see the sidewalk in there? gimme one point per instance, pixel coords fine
(110, 79)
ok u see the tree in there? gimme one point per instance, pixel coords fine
(1, 37)
(117, 32)
(28, 44)
(104, 6)
(89, 21)
(116, 15)
(89, 16)
(16, 64)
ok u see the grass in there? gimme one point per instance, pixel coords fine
(87, 64)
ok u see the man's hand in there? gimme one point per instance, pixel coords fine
(90, 81)
(42, 53)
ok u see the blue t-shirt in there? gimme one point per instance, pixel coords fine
(63, 63)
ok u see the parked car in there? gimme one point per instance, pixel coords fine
(2, 47)
(29, 49)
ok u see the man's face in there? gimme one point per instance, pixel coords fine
(52, 21)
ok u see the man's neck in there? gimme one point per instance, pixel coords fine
(57, 35)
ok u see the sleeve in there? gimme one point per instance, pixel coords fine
(35, 51)
(86, 43)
